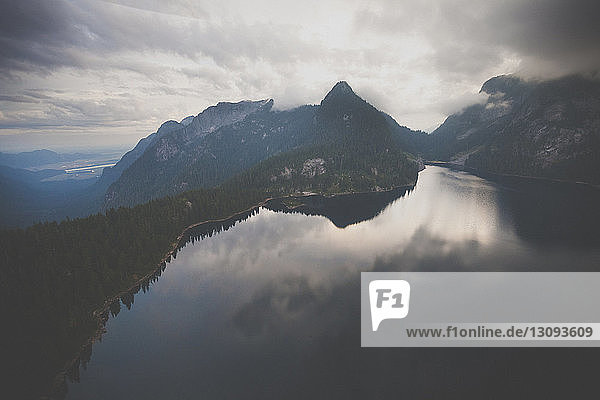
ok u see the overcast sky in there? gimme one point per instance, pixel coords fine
(76, 73)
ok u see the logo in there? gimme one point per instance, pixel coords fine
(389, 299)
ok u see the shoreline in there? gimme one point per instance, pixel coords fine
(102, 313)
(493, 175)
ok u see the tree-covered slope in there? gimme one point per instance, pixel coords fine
(54, 275)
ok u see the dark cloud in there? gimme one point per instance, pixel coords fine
(34, 19)
(563, 33)
(36, 35)
(464, 36)
(467, 37)
(549, 28)
(39, 34)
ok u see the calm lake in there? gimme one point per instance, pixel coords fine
(270, 308)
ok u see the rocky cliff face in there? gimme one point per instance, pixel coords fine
(547, 129)
(217, 143)
(111, 174)
(205, 123)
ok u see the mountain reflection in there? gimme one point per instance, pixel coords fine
(341, 210)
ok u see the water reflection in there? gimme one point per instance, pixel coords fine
(341, 210)
(269, 307)
(553, 213)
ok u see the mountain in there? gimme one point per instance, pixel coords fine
(29, 158)
(345, 117)
(226, 139)
(533, 128)
(111, 174)
(411, 141)
(219, 142)
(354, 149)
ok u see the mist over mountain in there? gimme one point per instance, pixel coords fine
(534, 128)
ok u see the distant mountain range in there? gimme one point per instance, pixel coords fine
(545, 129)
(36, 158)
(34, 186)
(532, 128)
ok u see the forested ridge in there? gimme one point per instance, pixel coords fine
(54, 275)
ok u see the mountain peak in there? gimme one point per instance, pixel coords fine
(168, 126)
(340, 90)
(341, 87)
(503, 83)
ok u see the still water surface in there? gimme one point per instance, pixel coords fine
(270, 308)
